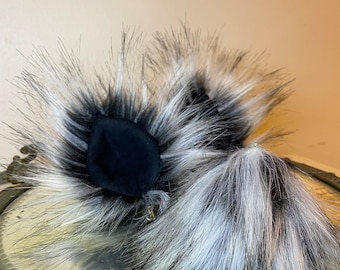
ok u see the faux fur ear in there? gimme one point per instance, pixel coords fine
(250, 211)
(228, 90)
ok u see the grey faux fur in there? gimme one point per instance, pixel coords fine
(219, 202)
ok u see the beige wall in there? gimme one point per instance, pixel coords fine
(301, 36)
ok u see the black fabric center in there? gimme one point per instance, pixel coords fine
(122, 157)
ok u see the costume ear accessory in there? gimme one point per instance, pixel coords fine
(151, 166)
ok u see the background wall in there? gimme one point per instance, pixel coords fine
(301, 36)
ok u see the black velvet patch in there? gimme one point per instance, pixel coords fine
(122, 157)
